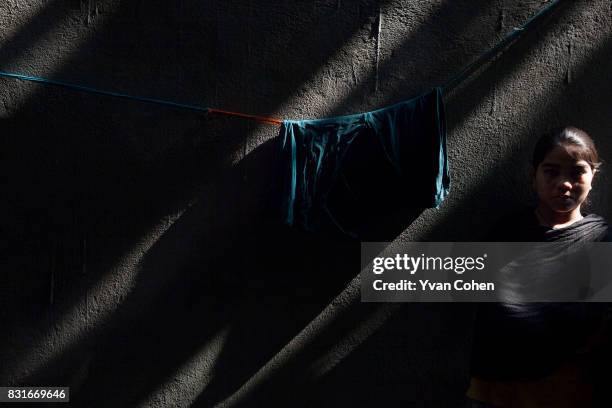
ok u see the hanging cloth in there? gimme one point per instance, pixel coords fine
(338, 170)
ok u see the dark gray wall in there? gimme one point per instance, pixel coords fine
(140, 264)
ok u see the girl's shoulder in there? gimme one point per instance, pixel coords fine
(597, 221)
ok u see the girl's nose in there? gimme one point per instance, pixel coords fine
(565, 185)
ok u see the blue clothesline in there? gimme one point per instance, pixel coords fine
(100, 91)
(508, 40)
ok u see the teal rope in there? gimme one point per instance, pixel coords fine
(509, 39)
(463, 74)
(101, 92)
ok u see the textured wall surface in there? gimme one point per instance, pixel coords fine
(139, 264)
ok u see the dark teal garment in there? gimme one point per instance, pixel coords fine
(338, 170)
(521, 342)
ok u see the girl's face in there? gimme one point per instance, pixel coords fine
(562, 182)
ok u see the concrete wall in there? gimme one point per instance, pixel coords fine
(139, 261)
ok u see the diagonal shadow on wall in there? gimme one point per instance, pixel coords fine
(241, 280)
(510, 67)
(340, 381)
(90, 194)
(83, 202)
(37, 28)
(248, 327)
(398, 344)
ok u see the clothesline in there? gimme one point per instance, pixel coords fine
(262, 119)
(507, 41)
(87, 89)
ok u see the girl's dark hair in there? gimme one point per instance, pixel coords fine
(567, 136)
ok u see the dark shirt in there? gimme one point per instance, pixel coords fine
(524, 226)
(532, 341)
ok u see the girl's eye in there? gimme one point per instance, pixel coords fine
(551, 172)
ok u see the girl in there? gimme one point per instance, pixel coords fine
(537, 355)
